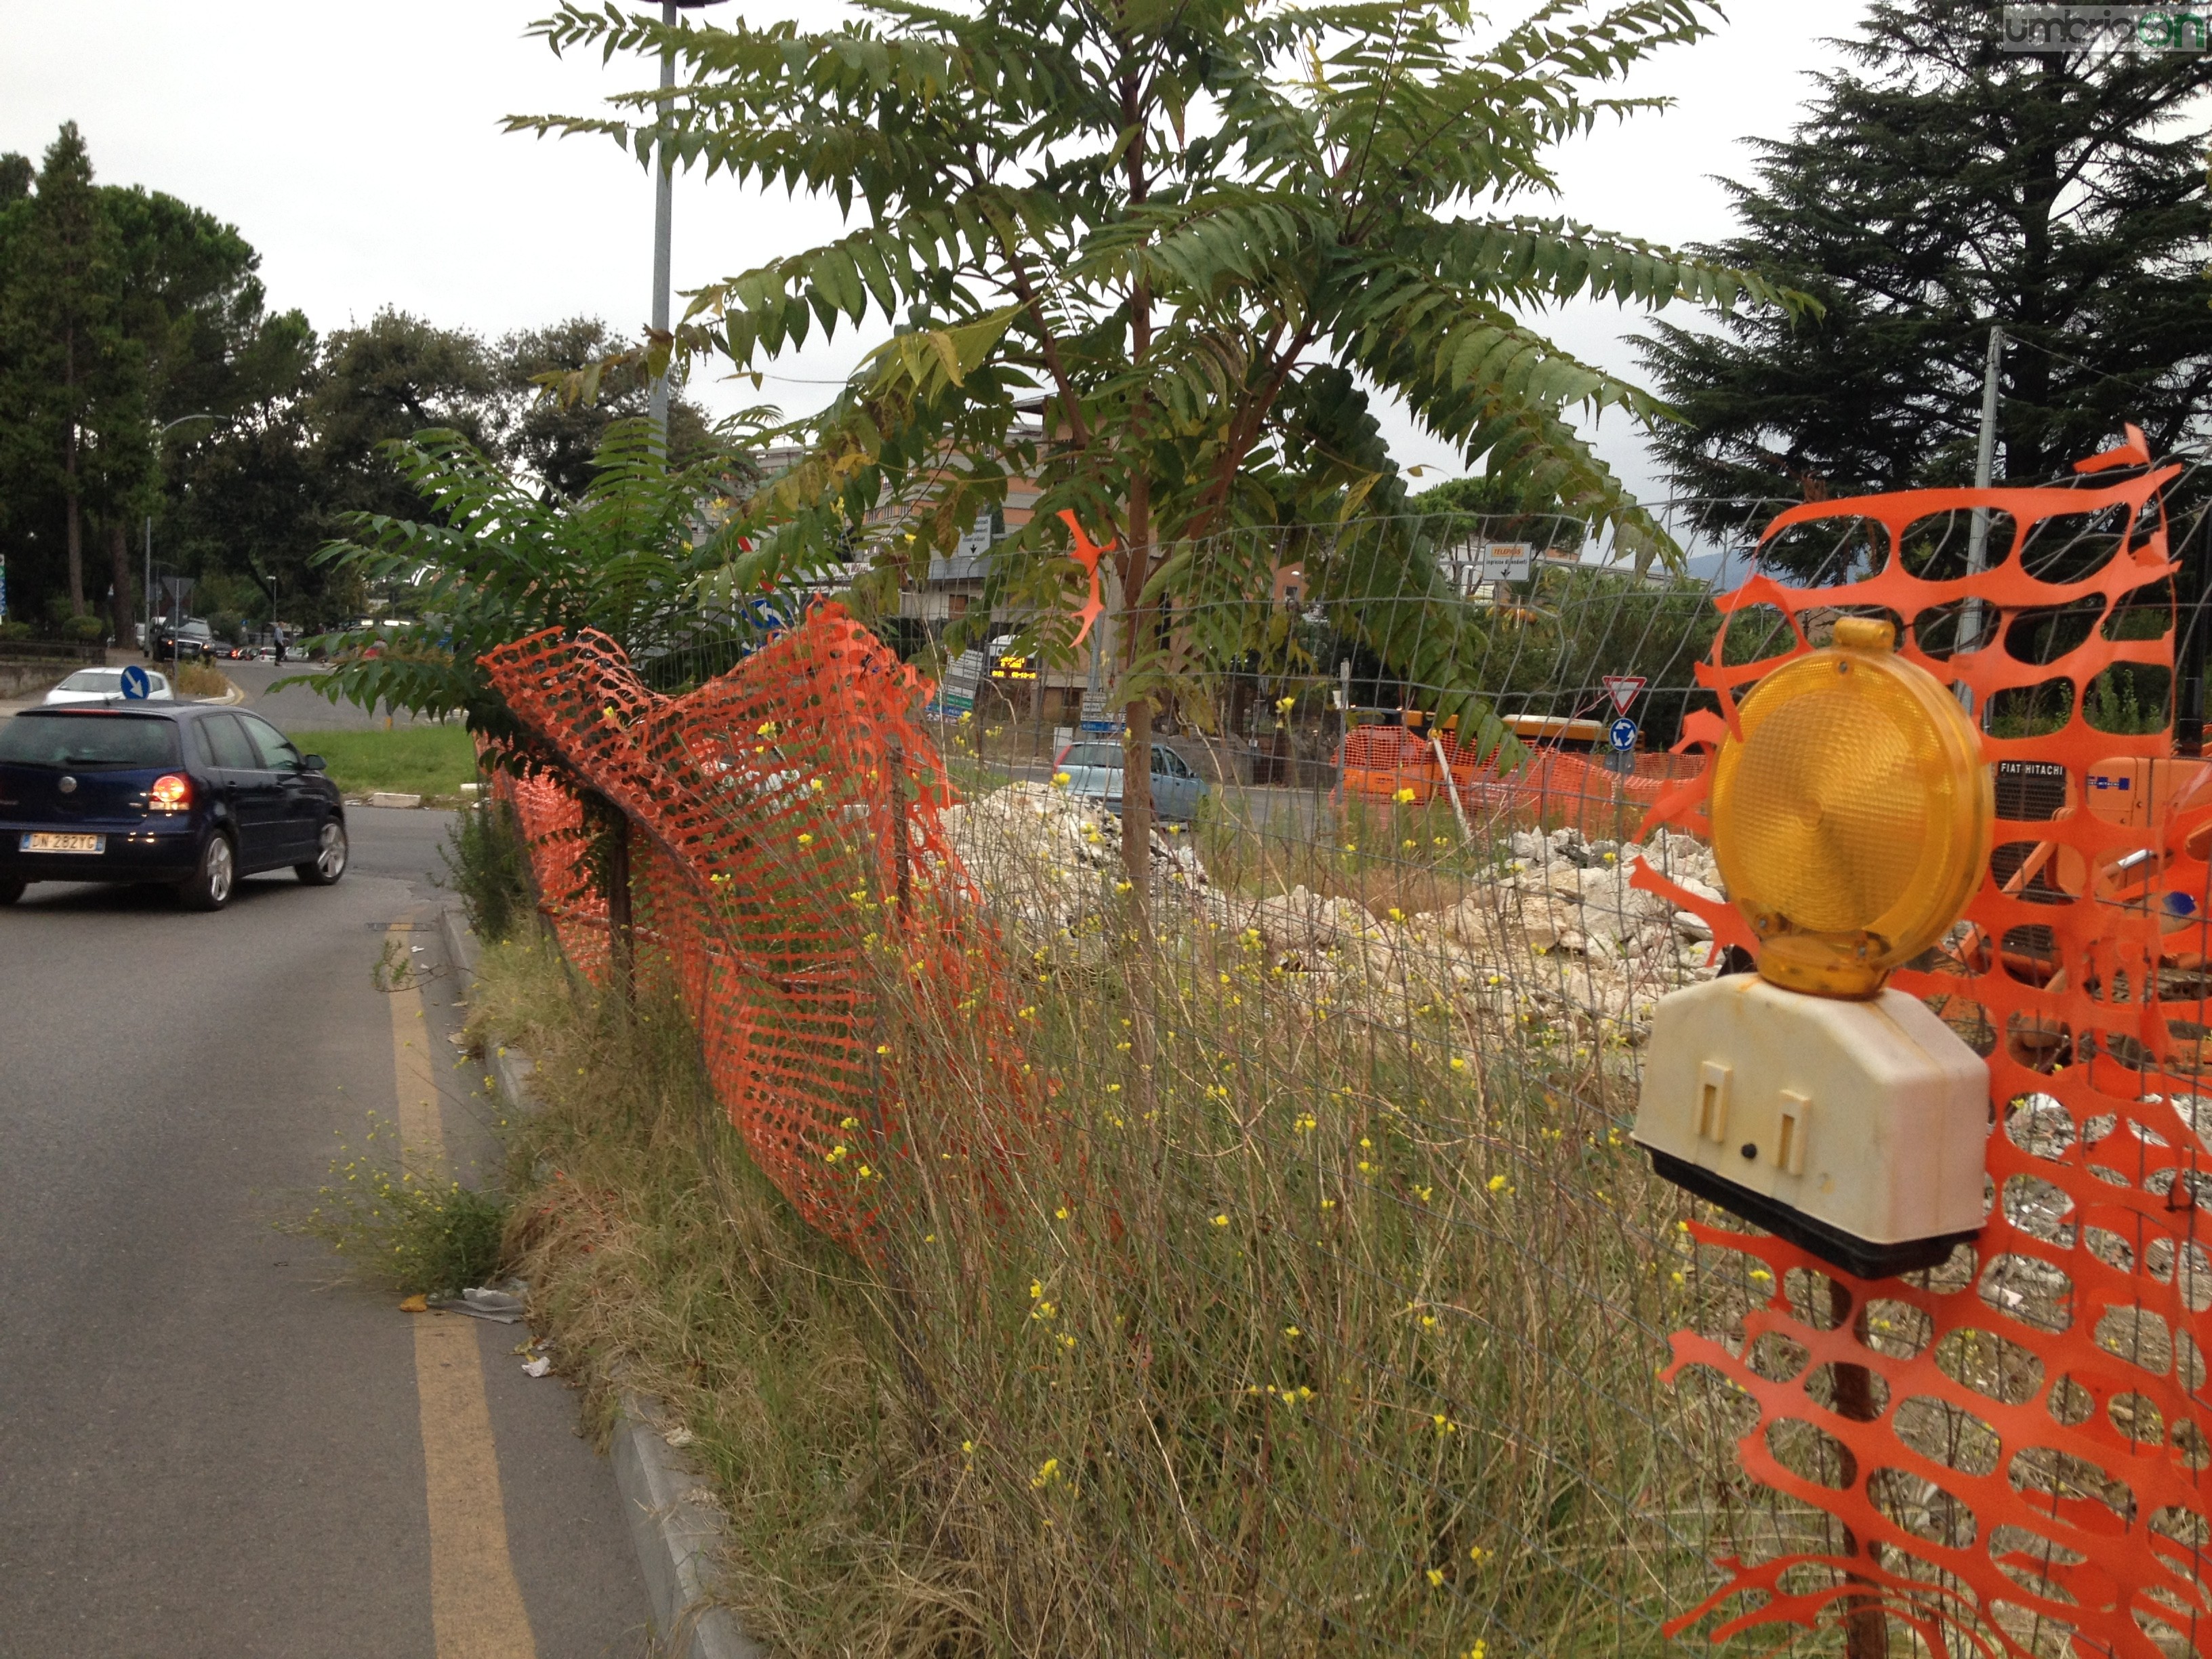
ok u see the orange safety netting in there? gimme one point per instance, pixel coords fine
(2069, 1515)
(1552, 787)
(789, 813)
(552, 823)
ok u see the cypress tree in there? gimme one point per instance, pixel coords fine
(1937, 185)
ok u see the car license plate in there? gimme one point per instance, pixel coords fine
(46, 841)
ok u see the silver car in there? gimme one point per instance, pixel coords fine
(105, 685)
(1094, 772)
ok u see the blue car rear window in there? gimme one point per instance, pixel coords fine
(38, 739)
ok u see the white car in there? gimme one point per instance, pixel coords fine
(106, 684)
(1093, 771)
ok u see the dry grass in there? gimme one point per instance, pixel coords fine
(661, 1261)
(200, 680)
(1313, 1337)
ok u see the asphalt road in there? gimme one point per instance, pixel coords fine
(302, 707)
(210, 1443)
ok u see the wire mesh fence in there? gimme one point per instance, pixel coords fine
(1264, 1265)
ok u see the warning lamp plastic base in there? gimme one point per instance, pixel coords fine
(1854, 1129)
(1856, 1257)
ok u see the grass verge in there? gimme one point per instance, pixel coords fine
(414, 759)
(655, 1251)
(1301, 1337)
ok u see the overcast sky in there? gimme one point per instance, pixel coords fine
(359, 149)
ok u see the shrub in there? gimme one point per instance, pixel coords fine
(199, 679)
(416, 1231)
(488, 867)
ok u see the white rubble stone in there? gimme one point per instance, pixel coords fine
(1560, 933)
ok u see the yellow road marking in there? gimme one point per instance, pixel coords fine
(475, 1606)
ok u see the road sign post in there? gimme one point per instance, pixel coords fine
(1620, 739)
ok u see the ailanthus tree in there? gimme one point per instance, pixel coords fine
(1188, 232)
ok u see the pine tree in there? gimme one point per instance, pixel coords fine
(1939, 185)
(75, 422)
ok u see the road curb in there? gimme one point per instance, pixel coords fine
(230, 698)
(679, 1535)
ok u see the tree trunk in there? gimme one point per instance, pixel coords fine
(69, 477)
(118, 552)
(2028, 438)
(75, 520)
(1137, 740)
(1136, 571)
(622, 936)
(1135, 626)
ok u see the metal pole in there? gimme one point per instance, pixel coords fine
(2189, 714)
(149, 587)
(1977, 537)
(664, 215)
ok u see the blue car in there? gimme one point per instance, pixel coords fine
(189, 796)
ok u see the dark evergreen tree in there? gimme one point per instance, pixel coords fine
(122, 310)
(72, 381)
(557, 440)
(1939, 184)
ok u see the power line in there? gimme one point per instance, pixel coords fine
(2012, 339)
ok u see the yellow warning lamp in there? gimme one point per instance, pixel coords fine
(1852, 813)
(1851, 817)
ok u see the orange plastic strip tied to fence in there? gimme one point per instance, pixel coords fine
(2077, 1519)
(794, 856)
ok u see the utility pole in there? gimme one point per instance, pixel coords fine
(161, 432)
(663, 221)
(664, 212)
(1985, 455)
(2193, 593)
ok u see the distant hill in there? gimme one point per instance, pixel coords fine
(1721, 569)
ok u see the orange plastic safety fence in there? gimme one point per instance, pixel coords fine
(1552, 787)
(552, 823)
(788, 812)
(2031, 1477)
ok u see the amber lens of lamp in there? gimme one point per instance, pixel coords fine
(1851, 819)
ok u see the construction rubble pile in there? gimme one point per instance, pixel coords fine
(1552, 933)
(1042, 854)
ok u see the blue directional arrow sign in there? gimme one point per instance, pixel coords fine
(137, 684)
(1621, 734)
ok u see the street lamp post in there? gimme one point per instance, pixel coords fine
(664, 224)
(159, 433)
(664, 214)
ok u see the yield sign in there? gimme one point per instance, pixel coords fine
(1622, 689)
